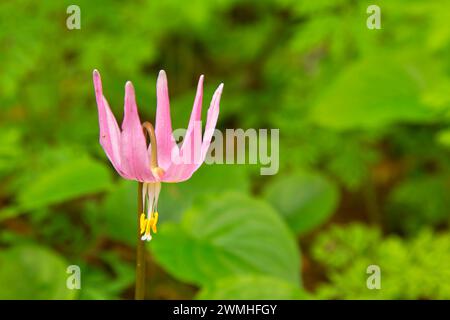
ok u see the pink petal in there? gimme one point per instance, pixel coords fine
(190, 152)
(211, 121)
(109, 130)
(135, 157)
(177, 173)
(192, 139)
(182, 172)
(163, 127)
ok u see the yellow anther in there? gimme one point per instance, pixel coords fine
(155, 221)
(153, 225)
(147, 229)
(147, 225)
(142, 223)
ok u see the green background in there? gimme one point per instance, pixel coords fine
(364, 173)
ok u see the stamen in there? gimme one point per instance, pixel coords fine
(142, 223)
(144, 193)
(155, 221)
(157, 191)
(147, 229)
(148, 222)
(150, 199)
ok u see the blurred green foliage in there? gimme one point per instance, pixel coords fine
(305, 199)
(410, 269)
(33, 272)
(364, 137)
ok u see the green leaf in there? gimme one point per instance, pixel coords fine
(228, 235)
(372, 93)
(33, 272)
(67, 181)
(305, 199)
(251, 288)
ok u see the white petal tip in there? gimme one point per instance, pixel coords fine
(129, 85)
(97, 81)
(96, 74)
(162, 73)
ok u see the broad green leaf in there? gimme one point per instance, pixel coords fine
(67, 181)
(251, 288)
(372, 93)
(305, 199)
(33, 272)
(224, 236)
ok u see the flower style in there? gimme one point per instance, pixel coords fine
(162, 160)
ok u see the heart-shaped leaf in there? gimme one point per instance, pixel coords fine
(228, 235)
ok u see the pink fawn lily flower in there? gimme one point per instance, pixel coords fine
(163, 160)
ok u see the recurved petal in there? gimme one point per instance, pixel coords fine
(182, 171)
(211, 121)
(163, 127)
(109, 129)
(191, 149)
(134, 154)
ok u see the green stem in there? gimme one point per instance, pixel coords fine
(140, 252)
